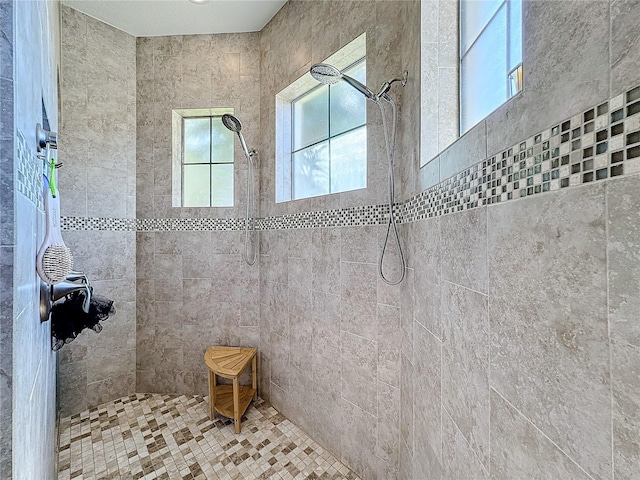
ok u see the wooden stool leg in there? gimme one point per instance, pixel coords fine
(236, 404)
(254, 381)
(212, 395)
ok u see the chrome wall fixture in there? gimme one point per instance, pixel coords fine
(49, 294)
(46, 139)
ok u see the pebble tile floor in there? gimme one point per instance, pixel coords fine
(147, 436)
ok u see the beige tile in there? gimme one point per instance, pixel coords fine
(519, 450)
(625, 370)
(458, 459)
(561, 331)
(464, 244)
(427, 410)
(624, 259)
(407, 385)
(359, 360)
(425, 237)
(358, 440)
(624, 46)
(389, 343)
(465, 365)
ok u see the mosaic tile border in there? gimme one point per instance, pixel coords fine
(29, 177)
(98, 223)
(600, 143)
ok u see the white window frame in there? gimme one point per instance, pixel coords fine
(177, 184)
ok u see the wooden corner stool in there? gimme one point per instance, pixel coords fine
(230, 401)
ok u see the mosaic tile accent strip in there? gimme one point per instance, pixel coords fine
(29, 172)
(171, 437)
(98, 223)
(186, 224)
(358, 216)
(601, 143)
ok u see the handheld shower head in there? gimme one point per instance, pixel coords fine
(328, 75)
(325, 73)
(235, 125)
(232, 123)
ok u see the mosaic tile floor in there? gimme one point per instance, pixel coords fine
(147, 436)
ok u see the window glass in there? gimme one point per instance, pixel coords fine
(311, 118)
(348, 106)
(349, 161)
(221, 142)
(207, 162)
(329, 138)
(490, 57)
(222, 185)
(196, 187)
(474, 16)
(311, 171)
(196, 140)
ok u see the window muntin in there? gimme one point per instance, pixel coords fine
(490, 57)
(206, 162)
(328, 151)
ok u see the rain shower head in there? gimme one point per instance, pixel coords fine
(232, 123)
(328, 75)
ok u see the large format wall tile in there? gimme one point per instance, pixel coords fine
(625, 45)
(465, 365)
(549, 343)
(359, 433)
(625, 379)
(464, 249)
(426, 243)
(458, 459)
(427, 401)
(623, 245)
(520, 450)
(359, 359)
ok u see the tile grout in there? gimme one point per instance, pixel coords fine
(540, 431)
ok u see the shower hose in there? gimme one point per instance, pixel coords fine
(249, 218)
(390, 144)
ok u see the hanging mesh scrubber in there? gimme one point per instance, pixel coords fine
(68, 318)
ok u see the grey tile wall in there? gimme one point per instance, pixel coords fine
(6, 235)
(193, 287)
(97, 146)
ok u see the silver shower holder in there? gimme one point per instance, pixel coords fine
(49, 294)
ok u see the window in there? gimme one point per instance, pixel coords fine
(203, 159)
(329, 151)
(321, 132)
(490, 57)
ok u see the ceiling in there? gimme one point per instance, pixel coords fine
(147, 18)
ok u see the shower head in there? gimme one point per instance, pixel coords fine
(235, 125)
(232, 123)
(328, 75)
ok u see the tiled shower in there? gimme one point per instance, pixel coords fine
(512, 348)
